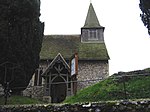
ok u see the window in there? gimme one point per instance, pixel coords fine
(93, 35)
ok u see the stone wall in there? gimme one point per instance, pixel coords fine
(145, 72)
(34, 92)
(1, 90)
(132, 106)
(90, 71)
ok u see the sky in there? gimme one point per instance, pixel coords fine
(126, 38)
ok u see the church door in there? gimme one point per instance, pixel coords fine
(58, 90)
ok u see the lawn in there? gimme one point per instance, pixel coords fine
(114, 89)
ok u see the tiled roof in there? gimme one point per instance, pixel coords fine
(67, 45)
(91, 19)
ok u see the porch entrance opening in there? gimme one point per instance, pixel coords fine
(58, 90)
(57, 78)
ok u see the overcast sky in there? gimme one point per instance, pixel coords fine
(126, 38)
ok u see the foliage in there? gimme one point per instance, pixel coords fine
(112, 89)
(20, 42)
(19, 100)
(145, 16)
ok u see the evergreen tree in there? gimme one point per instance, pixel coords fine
(145, 16)
(21, 34)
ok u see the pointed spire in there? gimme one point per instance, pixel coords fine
(91, 19)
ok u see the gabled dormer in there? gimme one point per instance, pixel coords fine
(92, 31)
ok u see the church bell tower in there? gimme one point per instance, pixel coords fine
(92, 31)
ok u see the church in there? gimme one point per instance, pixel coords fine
(53, 76)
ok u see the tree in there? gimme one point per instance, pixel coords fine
(145, 16)
(21, 34)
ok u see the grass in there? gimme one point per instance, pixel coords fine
(19, 100)
(110, 89)
(107, 90)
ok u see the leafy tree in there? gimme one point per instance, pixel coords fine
(145, 16)
(21, 34)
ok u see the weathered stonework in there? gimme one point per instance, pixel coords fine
(128, 106)
(91, 72)
(1, 90)
(34, 92)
